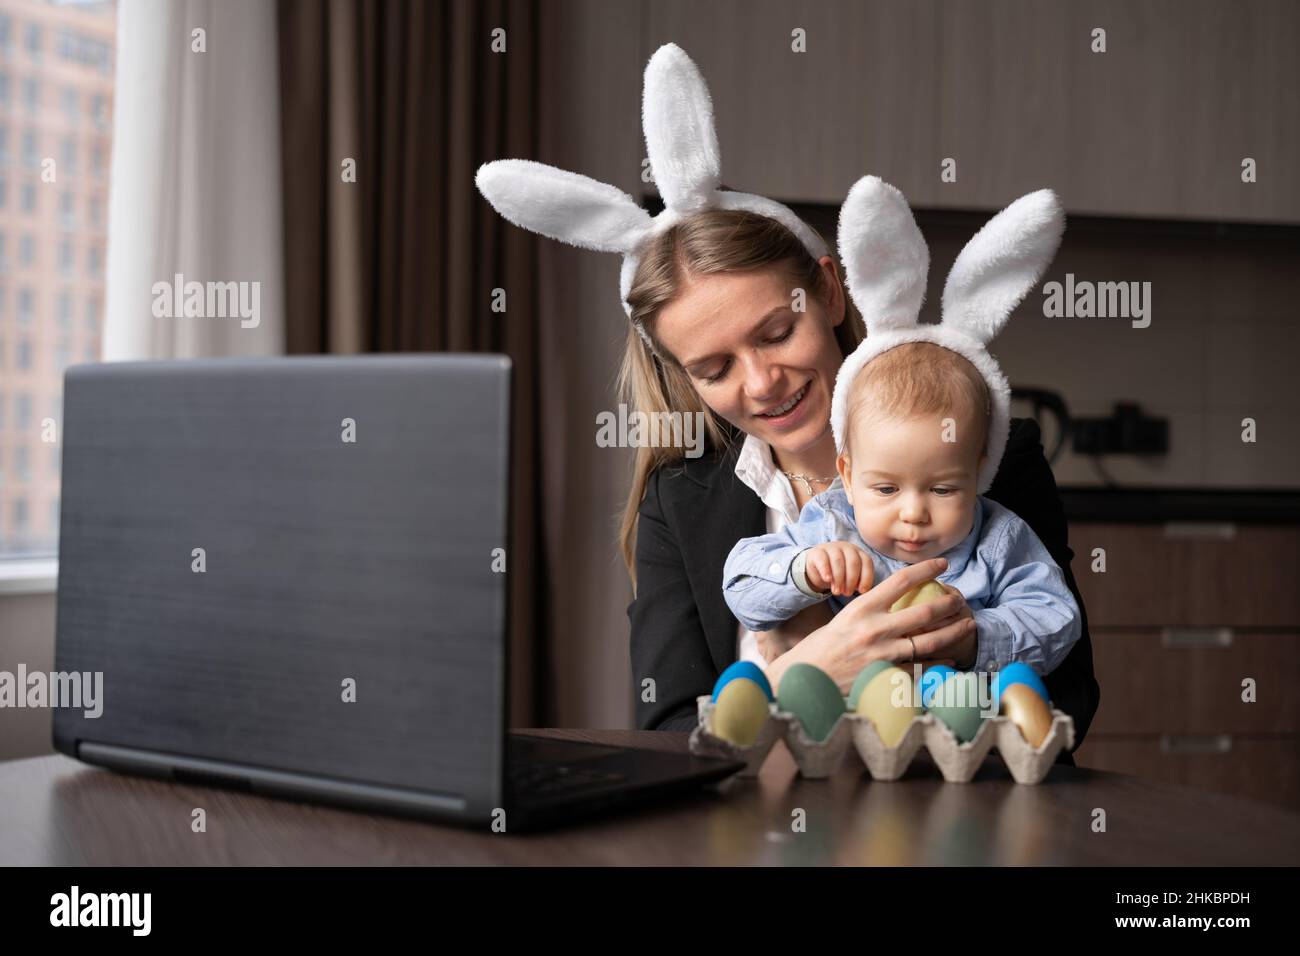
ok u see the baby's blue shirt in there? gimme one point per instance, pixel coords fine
(1023, 609)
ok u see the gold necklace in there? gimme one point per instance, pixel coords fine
(807, 479)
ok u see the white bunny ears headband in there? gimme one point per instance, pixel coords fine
(677, 117)
(885, 264)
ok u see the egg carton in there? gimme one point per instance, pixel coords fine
(957, 761)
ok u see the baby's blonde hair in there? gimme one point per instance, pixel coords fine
(919, 378)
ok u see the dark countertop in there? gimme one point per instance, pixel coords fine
(61, 812)
(1157, 505)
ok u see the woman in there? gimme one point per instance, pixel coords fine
(722, 336)
(738, 313)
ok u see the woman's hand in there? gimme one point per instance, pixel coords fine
(866, 631)
(961, 653)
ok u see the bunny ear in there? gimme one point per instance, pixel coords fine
(677, 115)
(885, 256)
(1001, 264)
(563, 205)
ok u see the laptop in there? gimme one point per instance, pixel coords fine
(289, 572)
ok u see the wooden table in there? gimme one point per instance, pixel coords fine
(54, 810)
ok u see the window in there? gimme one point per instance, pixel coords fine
(32, 95)
(56, 103)
(31, 150)
(35, 37)
(88, 51)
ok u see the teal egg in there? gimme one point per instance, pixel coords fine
(956, 703)
(931, 678)
(809, 693)
(863, 679)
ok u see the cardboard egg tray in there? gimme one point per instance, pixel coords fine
(957, 761)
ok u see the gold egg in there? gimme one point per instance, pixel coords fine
(923, 593)
(1028, 711)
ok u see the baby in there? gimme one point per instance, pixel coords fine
(916, 427)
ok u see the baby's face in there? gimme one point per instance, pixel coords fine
(913, 494)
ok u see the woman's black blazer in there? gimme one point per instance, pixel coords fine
(683, 634)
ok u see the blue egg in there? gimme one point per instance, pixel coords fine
(743, 669)
(931, 679)
(1018, 673)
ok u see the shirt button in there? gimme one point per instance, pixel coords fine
(775, 568)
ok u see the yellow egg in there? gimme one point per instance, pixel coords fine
(740, 712)
(890, 702)
(923, 593)
(1028, 711)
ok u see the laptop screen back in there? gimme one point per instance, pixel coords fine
(291, 564)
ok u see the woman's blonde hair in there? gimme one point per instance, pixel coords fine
(650, 380)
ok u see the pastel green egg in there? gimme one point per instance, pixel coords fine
(956, 703)
(740, 712)
(809, 693)
(891, 703)
(863, 679)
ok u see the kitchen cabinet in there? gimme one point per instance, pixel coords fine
(1183, 615)
(1157, 126)
(806, 125)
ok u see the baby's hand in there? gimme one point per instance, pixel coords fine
(839, 567)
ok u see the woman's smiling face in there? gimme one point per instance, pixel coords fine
(753, 359)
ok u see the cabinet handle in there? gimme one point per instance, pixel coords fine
(1187, 638)
(1183, 744)
(1200, 530)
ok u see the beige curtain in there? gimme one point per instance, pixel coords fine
(195, 185)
